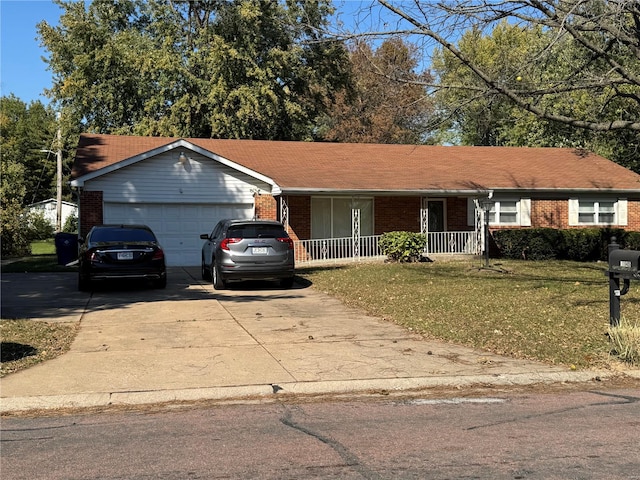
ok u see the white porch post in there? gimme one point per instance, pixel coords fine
(284, 212)
(479, 225)
(424, 221)
(355, 232)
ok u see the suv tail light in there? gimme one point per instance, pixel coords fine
(158, 254)
(224, 245)
(286, 240)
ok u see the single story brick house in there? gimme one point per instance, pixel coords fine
(181, 187)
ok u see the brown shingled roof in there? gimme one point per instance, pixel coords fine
(371, 167)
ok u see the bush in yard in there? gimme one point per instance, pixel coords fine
(583, 245)
(511, 243)
(632, 240)
(403, 246)
(14, 228)
(578, 244)
(39, 227)
(71, 224)
(529, 244)
(625, 341)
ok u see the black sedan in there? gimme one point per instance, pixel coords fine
(114, 252)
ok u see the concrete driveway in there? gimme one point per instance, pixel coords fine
(140, 345)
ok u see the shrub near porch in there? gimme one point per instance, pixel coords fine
(553, 311)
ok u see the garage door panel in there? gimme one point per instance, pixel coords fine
(178, 227)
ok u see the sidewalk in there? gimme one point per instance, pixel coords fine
(189, 342)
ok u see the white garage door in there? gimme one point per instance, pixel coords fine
(178, 227)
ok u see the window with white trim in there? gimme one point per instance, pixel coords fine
(597, 212)
(601, 211)
(504, 212)
(511, 212)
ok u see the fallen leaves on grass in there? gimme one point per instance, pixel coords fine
(25, 343)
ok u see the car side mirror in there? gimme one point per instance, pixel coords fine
(204, 236)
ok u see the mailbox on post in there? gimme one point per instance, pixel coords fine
(625, 265)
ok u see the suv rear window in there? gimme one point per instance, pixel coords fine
(122, 235)
(256, 231)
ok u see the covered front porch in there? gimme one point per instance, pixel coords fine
(363, 248)
(341, 228)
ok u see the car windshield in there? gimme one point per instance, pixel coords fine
(122, 235)
(256, 231)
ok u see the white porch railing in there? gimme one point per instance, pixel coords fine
(455, 243)
(342, 249)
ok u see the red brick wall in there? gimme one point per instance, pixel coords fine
(633, 214)
(299, 217)
(396, 214)
(90, 211)
(550, 213)
(266, 207)
(457, 215)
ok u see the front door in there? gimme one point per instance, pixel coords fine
(436, 215)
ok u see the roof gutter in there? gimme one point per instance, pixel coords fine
(451, 192)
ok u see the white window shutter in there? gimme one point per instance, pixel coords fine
(525, 212)
(471, 212)
(573, 211)
(622, 212)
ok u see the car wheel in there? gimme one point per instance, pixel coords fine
(83, 283)
(162, 283)
(286, 282)
(206, 272)
(218, 281)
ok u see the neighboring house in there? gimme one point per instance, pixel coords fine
(322, 191)
(48, 207)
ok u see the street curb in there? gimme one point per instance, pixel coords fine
(271, 391)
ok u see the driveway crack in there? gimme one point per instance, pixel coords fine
(349, 458)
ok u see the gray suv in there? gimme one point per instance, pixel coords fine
(247, 250)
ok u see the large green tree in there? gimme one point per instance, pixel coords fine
(480, 117)
(533, 72)
(377, 108)
(208, 68)
(27, 173)
(27, 133)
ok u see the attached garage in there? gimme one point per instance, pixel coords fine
(177, 189)
(178, 226)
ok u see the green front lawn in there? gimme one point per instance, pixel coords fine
(43, 247)
(557, 312)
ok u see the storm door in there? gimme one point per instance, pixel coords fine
(437, 221)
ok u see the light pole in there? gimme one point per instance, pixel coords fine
(486, 204)
(58, 154)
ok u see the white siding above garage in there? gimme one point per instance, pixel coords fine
(163, 179)
(179, 201)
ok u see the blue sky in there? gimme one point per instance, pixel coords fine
(24, 73)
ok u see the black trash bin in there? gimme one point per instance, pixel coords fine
(66, 247)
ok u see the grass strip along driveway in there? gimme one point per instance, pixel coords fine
(556, 312)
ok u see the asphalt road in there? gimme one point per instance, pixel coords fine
(576, 435)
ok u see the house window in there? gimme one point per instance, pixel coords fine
(596, 212)
(504, 212)
(605, 211)
(331, 216)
